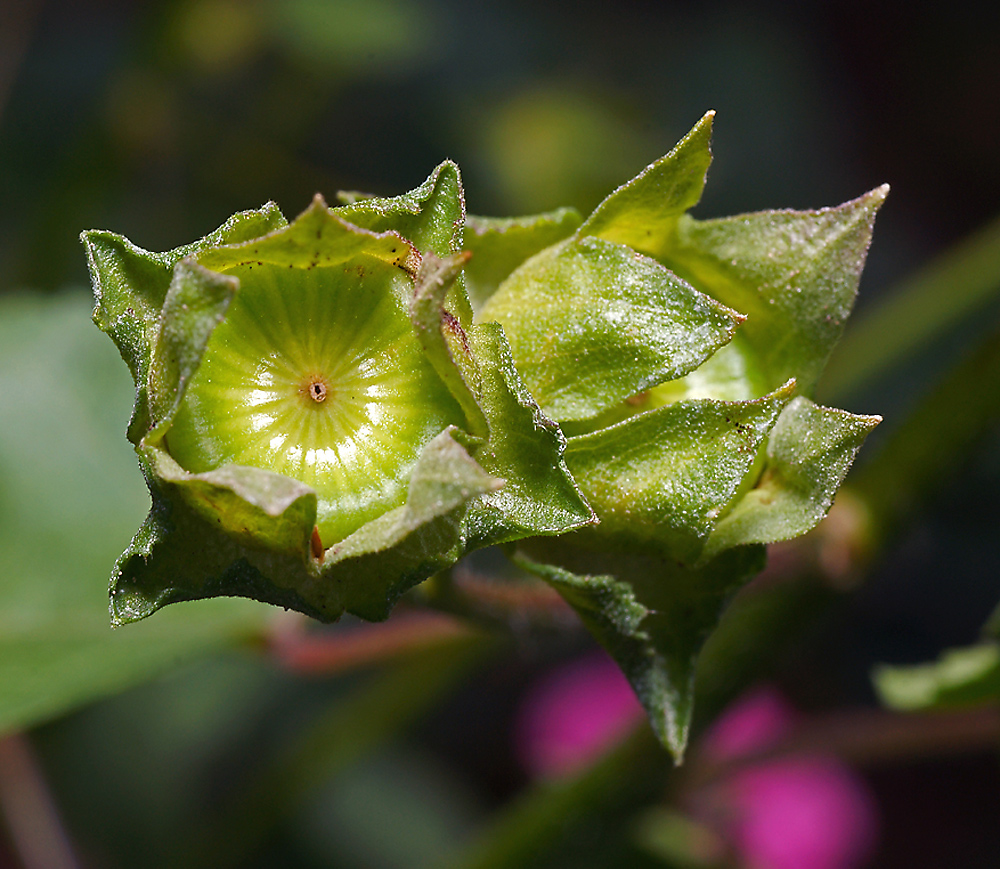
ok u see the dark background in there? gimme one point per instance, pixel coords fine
(159, 119)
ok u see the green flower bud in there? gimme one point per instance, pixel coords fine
(316, 373)
(320, 423)
(678, 355)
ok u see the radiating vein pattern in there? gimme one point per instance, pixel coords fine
(317, 374)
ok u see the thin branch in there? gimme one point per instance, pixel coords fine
(869, 737)
(36, 830)
(343, 649)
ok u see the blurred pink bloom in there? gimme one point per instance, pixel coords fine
(807, 812)
(573, 715)
(756, 721)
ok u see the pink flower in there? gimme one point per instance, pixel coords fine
(573, 715)
(804, 812)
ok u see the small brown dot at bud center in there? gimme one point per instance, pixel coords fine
(316, 388)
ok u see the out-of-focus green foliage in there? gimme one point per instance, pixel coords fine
(69, 499)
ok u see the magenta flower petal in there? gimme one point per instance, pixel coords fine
(806, 812)
(801, 813)
(754, 722)
(573, 715)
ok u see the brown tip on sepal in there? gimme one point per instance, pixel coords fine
(316, 545)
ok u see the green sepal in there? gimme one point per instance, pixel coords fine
(592, 323)
(794, 274)
(653, 617)
(250, 532)
(130, 286)
(256, 508)
(967, 676)
(643, 213)
(195, 304)
(511, 438)
(809, 452)
(431, 217)
(405, 546)
(525, 448)
(660, 481)
(247, 532)
(443, 337)
(317, 237)
(500, 244)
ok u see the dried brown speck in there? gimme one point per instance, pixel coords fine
(316, 544)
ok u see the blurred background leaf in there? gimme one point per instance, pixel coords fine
(71, 498)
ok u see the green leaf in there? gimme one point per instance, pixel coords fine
(793, 273)
(592, 323)
(254, 507)
(652, 615)
(432, 217)
(246, 532)
(130, 285)
(809, 452)
(442, 336)
(69, 499)
(606, 606)
(500, 244)
(195, 304)
(960, 677)
(643, 213)
(660, 481)
(385, 558)
(318, 237)
(513, 439)
(525, 448)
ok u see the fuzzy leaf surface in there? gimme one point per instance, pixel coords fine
(512, 439)
(500, 244)
(660, 480)
(525, 448)
(809, 452)
(130, 286)
(643, 213)
(652, 615)
(431, 217)
(246, 532)
(592, 323)
(794, 274)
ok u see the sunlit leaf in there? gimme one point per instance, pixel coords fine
(793, 273)
(643, 213)
(592, 323)
(500, 244)
(660, 480)
(809, 451)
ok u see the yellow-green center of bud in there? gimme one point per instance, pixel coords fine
(316, 373)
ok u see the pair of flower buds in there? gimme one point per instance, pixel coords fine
(332, 410)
